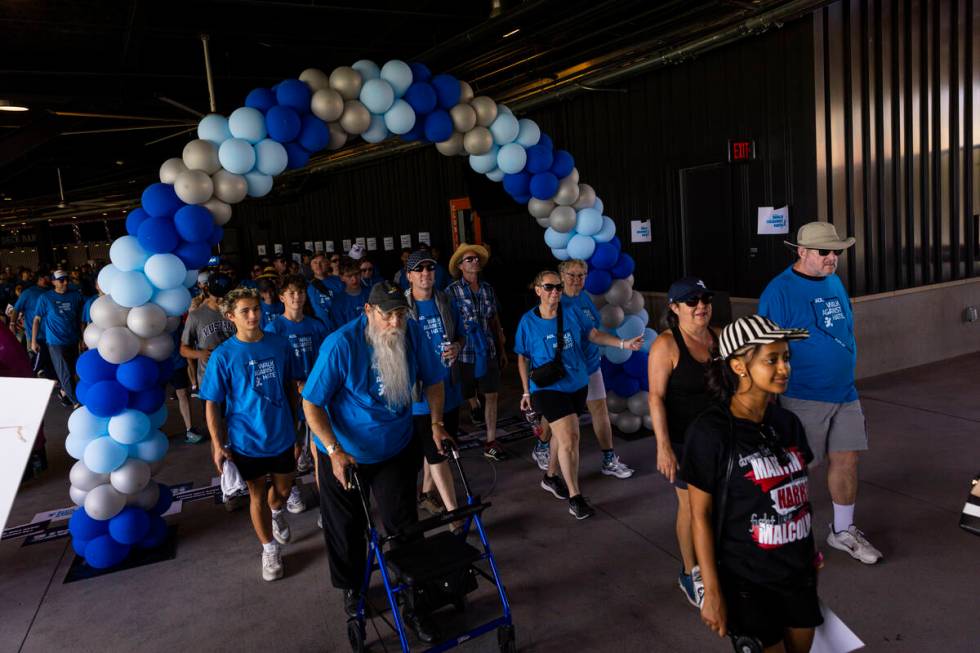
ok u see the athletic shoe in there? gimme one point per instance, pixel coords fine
(540, 454)
(304, 463)
(235, 502)
(193, 437)
(579, 508)
(615, 467)
(431, 503)
(272, 564)
(280, 527)
(698, 584)
(686, 583)
(556, 485)
(494, 451)
(294, 503)
(854, 542)
(477, 416)
(194, 393)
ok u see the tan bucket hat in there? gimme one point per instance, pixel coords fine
(820, 235)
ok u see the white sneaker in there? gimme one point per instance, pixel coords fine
(294, 503)
(854, 542)
(617, 468)
(280, 527)
(272, 564)
(698, 583)
(540, 456)
(305, 461)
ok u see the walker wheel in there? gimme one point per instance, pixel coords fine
(506, 640)
(355, 634)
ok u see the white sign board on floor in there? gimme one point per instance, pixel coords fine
(21, 412)
(834, 636)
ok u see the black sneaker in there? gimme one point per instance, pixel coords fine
(556, 485)
(579, 508)
(351, 600)
(494, 451)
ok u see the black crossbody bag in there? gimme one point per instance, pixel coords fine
(554, 371)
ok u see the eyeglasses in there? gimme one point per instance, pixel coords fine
(391, 316)
(552, 287)
(470, 259)
(428, 267)
(367, 270)
(828, 252)
(703, 299)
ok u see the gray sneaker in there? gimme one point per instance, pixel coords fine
(295, 503)
(616, 467)
(280, 527)
(855, 543)
(272, 564)
(540, 454)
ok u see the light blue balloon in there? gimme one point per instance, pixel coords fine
(368, 69)
(484, 163)
(528, 132)
(103, 455)
(165, 271)
(608, 231)
(496, 175)
(589, 222)
(129, 427)
(581, 246)
(643, 315)
(511, 158)
(631, 327)
(173, 301)
(377, 95)
(377, 132)
(151, 449)
(131, 289)
(237, 156)
(191, 278)
(599, 206)
(248, 124)
(400, 118)
(127, 254)
(76, 442)
(270, 157)
(556, 239)
(106, 277)
(259, 185)
(504, 128)
(399, 75)
(158, 418)
(213, 127)
(560, 254)
(83, 422)
(617, 355)
(649, 335)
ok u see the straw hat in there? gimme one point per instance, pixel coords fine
(463, 250)
(820, 235)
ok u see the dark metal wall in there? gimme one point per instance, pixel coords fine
(896, 84)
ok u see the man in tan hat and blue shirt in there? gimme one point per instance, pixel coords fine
(810, 295)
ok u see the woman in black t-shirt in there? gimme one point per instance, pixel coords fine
(745, 463)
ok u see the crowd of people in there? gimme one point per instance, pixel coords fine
(321, 363)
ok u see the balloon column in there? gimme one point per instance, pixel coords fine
(115, 435)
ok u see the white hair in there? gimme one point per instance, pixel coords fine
(390, 360)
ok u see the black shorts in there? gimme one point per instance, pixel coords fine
(252, 468)
(678, 448)
(554, 405)
(766, 611)
(489, 383)
(423, 432)
(179, 379)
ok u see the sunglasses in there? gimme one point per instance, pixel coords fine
(552, 287)
(428, 267)
(693, 301)
(470, 259)
(828, 252)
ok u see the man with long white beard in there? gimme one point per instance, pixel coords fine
(358, 403)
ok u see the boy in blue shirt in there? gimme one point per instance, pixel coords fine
(271, 306)
(322, 289)
(58, 316)
(348, 304)
(253, 374)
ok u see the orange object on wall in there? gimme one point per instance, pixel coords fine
(465, 222)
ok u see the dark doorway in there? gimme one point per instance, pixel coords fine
(706, 225)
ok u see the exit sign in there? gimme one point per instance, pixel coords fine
(741, 150)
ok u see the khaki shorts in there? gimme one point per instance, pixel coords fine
(830, 427)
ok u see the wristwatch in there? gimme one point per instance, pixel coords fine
(439, 423)
(333, 448)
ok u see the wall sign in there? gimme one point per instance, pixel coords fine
(389, 243)
(740, 150)
(773, 221)
(641, 231)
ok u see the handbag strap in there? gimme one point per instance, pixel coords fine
(561, 335)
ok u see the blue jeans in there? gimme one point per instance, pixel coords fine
(63, 359)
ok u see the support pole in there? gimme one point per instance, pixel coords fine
(207, 69)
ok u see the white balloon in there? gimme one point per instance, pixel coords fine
(118, 345)
(104, 502)
(614, 402)
(194, 186)
(647, 422)
(132, 477)
(84, 478)
(173, 323)
(586, 197)
(567, 192)
(170, 169)
(201, 155)
(540, 208)
(229, 187)
(145, 498)
(220, 211)
(628, 422)
(316, 78)
(637, 403)
(77, 496)
(159, 348)
(147, 320)
(107, 314)
(92, 334)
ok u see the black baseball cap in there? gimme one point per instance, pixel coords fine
(687, 288)
(387, 297)
(417, 257)
(219, 285)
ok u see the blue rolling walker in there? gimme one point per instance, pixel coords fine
(432, 572)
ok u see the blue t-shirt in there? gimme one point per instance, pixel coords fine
(60, 315)
(346, 307)
(87, 309)
(588, 315)
(271, 312)
(344, 383)
(251, 378)
(537, 340)
(27, 306)
(334, 283)
(823, 364)
(305, 338)
(320, 302)
(430, 323)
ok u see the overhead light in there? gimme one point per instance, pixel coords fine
(6, 105)
(512, 32)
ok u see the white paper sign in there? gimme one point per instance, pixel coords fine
(308, 245)
(406, 240)
(277, 248)
(834, 636)
(389, 243)
(328, 246)
(347, 245)
(372, 244)
(424, 237)
(640, 231)
(21, 412)
(773, 221)
(297, 257)
(261, 249)
(318, 246)
(360, 241)
(54, 515)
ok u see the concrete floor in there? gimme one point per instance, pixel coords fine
(605, 584)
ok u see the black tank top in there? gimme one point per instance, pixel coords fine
(687, 389)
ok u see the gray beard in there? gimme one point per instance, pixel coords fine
(390, 361)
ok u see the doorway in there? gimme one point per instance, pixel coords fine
(707, 229)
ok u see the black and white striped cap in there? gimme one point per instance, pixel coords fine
(754, 330)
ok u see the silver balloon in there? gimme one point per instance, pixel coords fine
(228, 187)
(104, 502)
(173, 323)
(131, 477)
(638, 405)
(611, 316)
(614, 402)
(118, 345)
(486, 110)
(315, 78)
(599, 301)
(574, 175)
(619, 293)
(327, 104)
(567, 192)
(170, 169)
(147, 320)
(338, 137)
(107, 313)
(346, 81)
(628, 422)
(647, 422)
(156, 466)
(586, 197)
(202, 155)
(465, 91)
(452, 146)
(356, 119)
(159, 348)
(194, 187)
(91, 336)
(630, 280)
(220, 211)
(145, 498)
(563, 219)
(464, 117)
(544, 222)
(77, 495)
(540, 208)
(478, 140)
(84, 478)
(634, 304)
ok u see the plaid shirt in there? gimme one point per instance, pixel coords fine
(479, 307)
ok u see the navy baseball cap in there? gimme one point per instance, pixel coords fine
(219, 285)
(687, 288)
(418, 257)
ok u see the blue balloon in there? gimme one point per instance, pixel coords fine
(649, 335)
(377, 95)
(259, 185)
(636, 366)
(544, 185)
(504, 128)
(214, 127)
(377, 132)
(495, 175)
(416, 133)
(131, 289)
(400, 118)
(421, 96)
(193, 223)
(103, 455)
(173, 301)
(164, 500)
(581, 247)
(604, 257)
(398, 74)
(539, 159)
(194, 255)
(420, 72)
(614, 241)
(135, 219)
(78, 546)
(438, 126)
(157, 533)
(313, 135)
(262, 99)
(246, 124)
(294, 94)
(130, 526)
(625, 385)
(137, 374)
(599, 206)
(217, 233)
(588, 222)
(511, 158)
(81, 391)
(159, 418)
(282, 123)
(563, 164)
(82, 420)
(160, 201)
(528, 133)
(92, 368)
(129, 427)
(644, 383)
(271, 157)
(149, 400)
(624, 267)
(104, 552)
(151, 449)
(368, 69)
(616, 355)
(561, 254)
(237, 156)
(546, 142)
(556, 239)
(448, 90)
(518, 184)
(127, 254)
(522, 199)
(631, 327)
(598, 282)
(158, 235)
(608, 231)
(484, 163)
(83, 527)
(76, 441)
(297, 156)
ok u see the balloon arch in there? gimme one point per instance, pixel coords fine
(116, 434)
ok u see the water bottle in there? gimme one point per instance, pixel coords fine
(534, 420)
(446, 345)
